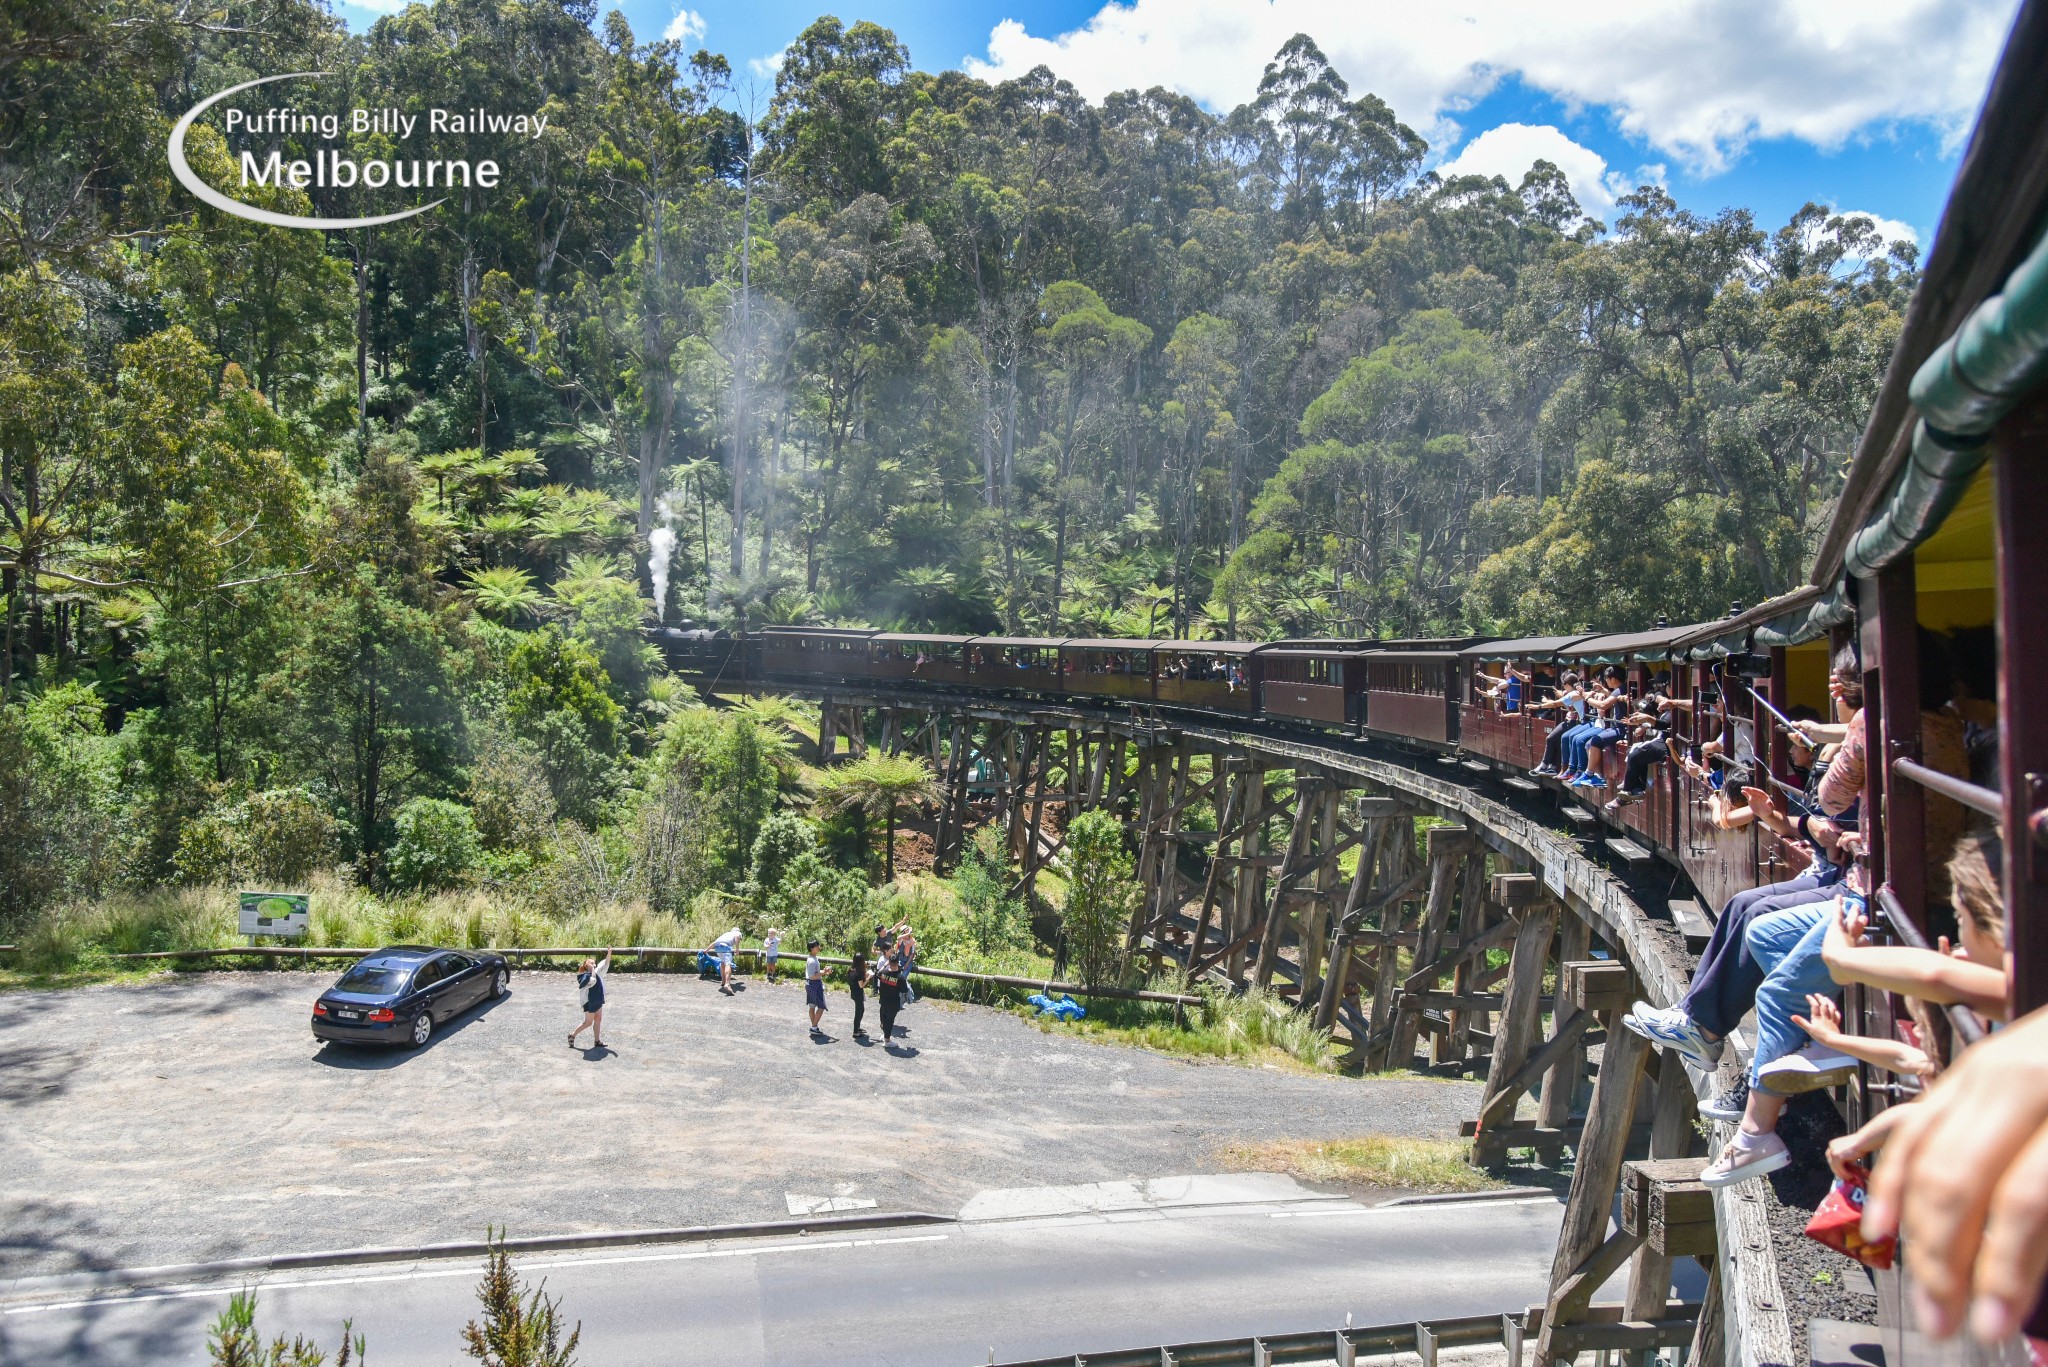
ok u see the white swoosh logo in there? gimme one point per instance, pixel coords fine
(191, 181)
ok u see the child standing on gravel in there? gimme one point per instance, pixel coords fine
(771, 952)
(814, 986)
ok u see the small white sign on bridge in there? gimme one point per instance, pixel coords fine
(1553, 872)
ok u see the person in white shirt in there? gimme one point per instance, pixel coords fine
(814, 987)
(723, 947)
(771, 951)
(590, 989)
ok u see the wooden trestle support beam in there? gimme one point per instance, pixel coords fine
(1411, 936)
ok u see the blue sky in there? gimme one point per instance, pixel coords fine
(1760, 103)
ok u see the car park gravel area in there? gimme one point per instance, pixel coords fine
(193, 1116)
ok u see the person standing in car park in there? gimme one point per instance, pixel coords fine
(771, 952)
(857, 988)
(889, 984)
(590, 988)
(722, 948)
(814, 987)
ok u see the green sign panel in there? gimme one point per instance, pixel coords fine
(275, 913)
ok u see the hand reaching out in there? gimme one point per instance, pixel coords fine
(1965, 1177)
(1823, 1020)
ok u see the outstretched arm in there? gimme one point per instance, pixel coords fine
(1823, 1022)
(1923, 973)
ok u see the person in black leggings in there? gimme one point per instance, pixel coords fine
(889, 983)
(856, 987)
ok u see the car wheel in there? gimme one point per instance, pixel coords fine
(501, 983)
(422, 1028)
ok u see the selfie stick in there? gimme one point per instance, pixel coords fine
(1783, 720)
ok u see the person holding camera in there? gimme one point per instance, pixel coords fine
(590, 990)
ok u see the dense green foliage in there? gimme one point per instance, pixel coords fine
(312, 541)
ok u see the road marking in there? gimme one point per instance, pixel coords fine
(1395, 1209)
(431, 1274)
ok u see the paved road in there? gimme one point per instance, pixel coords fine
(939, 1295)
(193, 1117)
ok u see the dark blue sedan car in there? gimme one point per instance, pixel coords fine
(398, 995)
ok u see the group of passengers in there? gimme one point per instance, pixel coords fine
(1203, 669)
(1964, 1168)
(1595, 712)
(1786, 951)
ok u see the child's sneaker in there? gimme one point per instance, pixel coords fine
(1744, 1159)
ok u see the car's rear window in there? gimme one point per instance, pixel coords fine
(373, 978)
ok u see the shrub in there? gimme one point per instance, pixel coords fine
(1099, 897)
(817, 899)
(993, 920)
(56, 815)
(671, 843)
(519, 1329)
(278, 837)
(288, 835)
(435, 844)
(208, 851)
(508, 793)
(784, 838)
(234, 1342)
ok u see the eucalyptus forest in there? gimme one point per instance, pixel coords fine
(335, 551)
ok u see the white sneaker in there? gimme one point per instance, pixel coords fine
(1745, 1158)
(1670, 1028)
(1812, 1068)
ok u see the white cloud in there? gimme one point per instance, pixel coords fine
(1511, 149)
(378, 7)
(686, 28)
(1890, 229)
(1695, 79)
(767, 67)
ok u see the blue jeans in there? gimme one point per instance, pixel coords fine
(1591, 734)
(1573, 749)
(1786, 945)
(1600, 739)
(1725, 983)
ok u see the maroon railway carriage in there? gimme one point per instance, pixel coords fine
(1312, 681)
(1485, 726)
(1109, 669)
(813, 652)
(1412, 695)
(1644, 658)
(1014, 664)
(916, 658)
(1217, 676)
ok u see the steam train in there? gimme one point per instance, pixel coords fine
(1423, 696)
(1938, 528)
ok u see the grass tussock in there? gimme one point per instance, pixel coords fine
(1255, 1026)
(1372, 1160)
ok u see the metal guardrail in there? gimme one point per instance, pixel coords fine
(1976, 797)
(1424, 1338)
(1960, 1018)
(1343, 1346)
(309, 953)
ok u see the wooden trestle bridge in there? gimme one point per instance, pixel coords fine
(1494, 944)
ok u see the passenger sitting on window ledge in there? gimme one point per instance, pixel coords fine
(1609, 708)
(1570, 704)
(1650, 728)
